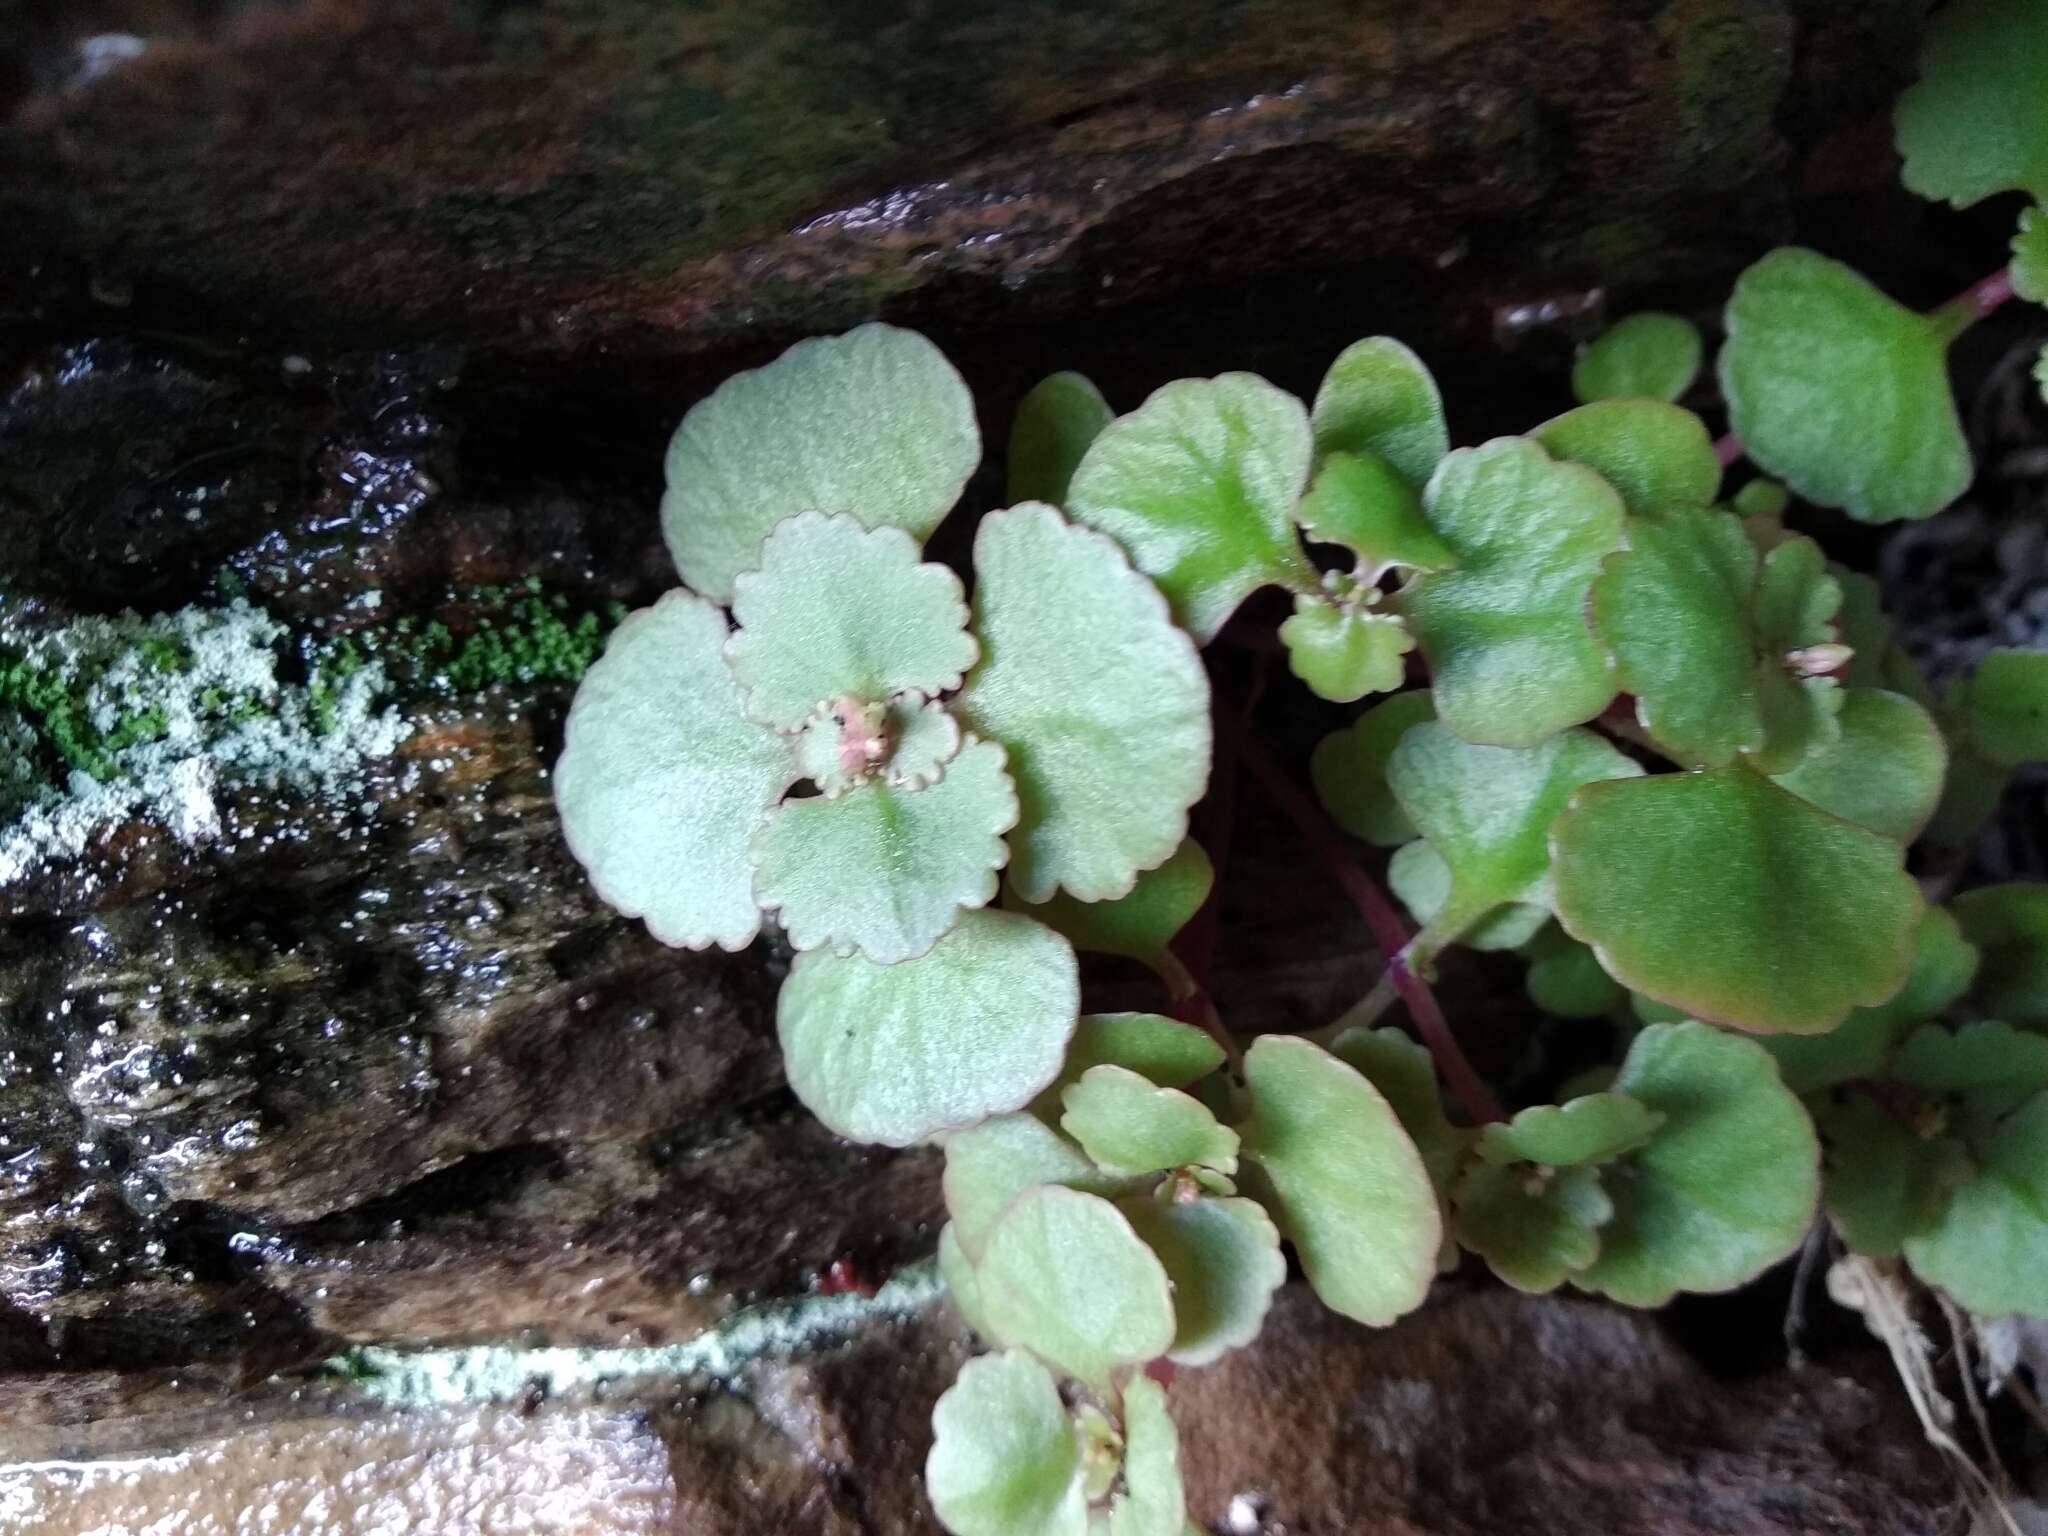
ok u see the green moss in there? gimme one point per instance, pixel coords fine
(54, 710)
(524, 635)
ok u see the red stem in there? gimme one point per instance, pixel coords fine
(1389, 931)
(1196, 944)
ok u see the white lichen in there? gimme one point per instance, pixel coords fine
(501, 1373)
(220, 720)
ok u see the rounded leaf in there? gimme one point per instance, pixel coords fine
(1566, 981)
(1379, 397)
(1151, 1502)
(1989, 1251)
(875, 424)
(2005, 707)
(1141, 925)
(1399, 1066)
(1363, 503)
(1976, 122)
(1535, 1228)
(1050, 434)
(1650, 354)
(1704, 633)
(1884, 769)
(886, 871)
(2009, 926)
(1349, 769)
(1163, 1051)
(1100, 700)
(1885, 1184)
(906, 743)
(1344, 652)
(1723, 895)
(957, 1271)
(1506, 635)
(1728, 1185)
(1487, 810)
(1005, 1460)
(1223, 1257)
(1199, 484)
(1130, 1126)
(990, 1164)
(1840, 392)
(663, 779)
(894, 1053)
(838, 610)
(1595, 1128)
(1348, 1186)
(1064, 1275)
(1657, 456)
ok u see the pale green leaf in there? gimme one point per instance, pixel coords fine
(1163, 1051)
(1050, 433)
(1418, 875)
(1840, 392)
(1565, 979)
(1876, 658)
(1885, 1184)
(1658, 456)
(1487, 810)
(875, 424)
(2005, 706)
(1343, 651)
(1379, 397)
(1594, 1128)
(1709, 637)
(1064, 1275)
(1884, 769)
(1728, 1185)
(1101, 702)
(836, 610)
(1976, 122)
(1362, 502)
(1726, 896)
(895, 1053)
(957, 1271)
(1199, 486)
(1131, 1126)
(1223, 1257)
(1151, 1502)
(990, 1164)
(1506, 634)
(1761, 497)
(1650, 354)
(1942, 968)
(1141, 925)
(1989, 1251)
(886, 871)
(1005, 1460)
(2009, 926)
(1986, 1054)
(663, 779)
(1535, 1228)
(1348, 1186)
(1349, 768)
(1399, 1067)
(2030, 256)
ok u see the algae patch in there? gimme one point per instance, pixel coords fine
(502, 1373)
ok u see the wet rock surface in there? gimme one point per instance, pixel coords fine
(566, 179)
(1486, 1411)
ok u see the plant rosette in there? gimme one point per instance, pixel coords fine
(864, 754)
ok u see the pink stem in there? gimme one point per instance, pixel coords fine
(1389, 931)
